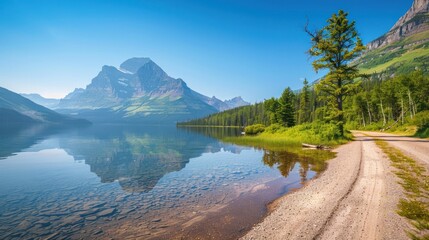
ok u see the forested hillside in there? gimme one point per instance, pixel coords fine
(381, 102)
(241, 116)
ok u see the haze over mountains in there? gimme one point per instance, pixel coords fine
(16, 110)
(139, 90)
(50, 103)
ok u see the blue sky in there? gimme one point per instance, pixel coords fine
(226, 48)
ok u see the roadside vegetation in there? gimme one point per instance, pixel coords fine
(415, 182)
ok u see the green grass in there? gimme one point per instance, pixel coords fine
(278, 137)
(415, 182)
(399, 57)
(414, 38)
(406, 57)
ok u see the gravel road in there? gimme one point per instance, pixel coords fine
(355, 198)
(416, 148)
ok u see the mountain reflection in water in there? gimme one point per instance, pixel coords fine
(139, 157)
(112, 181)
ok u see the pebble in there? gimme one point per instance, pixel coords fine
(106, 212)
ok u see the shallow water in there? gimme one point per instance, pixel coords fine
(128, 181)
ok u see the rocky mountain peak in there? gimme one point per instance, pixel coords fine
(139, 90)
(415, 20)
(418, 7)
(151, 70)
(236, 102)
(132, 65)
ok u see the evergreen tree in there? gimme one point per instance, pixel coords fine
(304, 103)
(287, 108)
(272, 106)
(335, 46)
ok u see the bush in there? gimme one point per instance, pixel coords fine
(316, 133)
(273, 128)
(422, 121)
(254, 129)
(352, 125)
(375, 126)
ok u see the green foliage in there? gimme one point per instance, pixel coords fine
(389, 104)
(313, 133)
(287, 108)
(422, 132)
(272, 107)
(254, 129)
(402, 57)
(421, 120)
(335, 46)
(282, 110)
(270, 111)
(273, 128)
(304, 104)
(241, 116)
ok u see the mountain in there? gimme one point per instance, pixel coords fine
(415, 20)
(138, 91)
(404, 48)
(16, 109)
(50, 103)
(236, 102)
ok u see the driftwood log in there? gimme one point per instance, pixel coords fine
(306, 145)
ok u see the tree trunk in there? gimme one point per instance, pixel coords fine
(402, 110)
(410, 103)
(340, 115)
(369, 111)
(382, 112)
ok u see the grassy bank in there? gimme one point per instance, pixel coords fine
(276, 136)
(415, 182)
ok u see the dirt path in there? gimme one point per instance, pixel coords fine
(355, 198)
(416, 148)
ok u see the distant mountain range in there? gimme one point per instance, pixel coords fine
(18, 110)
(50, 103)
(404, 48)
(138, 91)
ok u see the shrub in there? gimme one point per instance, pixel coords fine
(273, 128)
(422, 121)
(254, 129)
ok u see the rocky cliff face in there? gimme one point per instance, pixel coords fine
(414, 21)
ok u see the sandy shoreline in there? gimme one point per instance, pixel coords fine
(354, 198)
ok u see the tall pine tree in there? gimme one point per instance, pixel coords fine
(304, 103)
(335, 46)
(287, 108)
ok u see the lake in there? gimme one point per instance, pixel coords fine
(148, 182)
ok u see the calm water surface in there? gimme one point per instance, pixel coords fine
(137, 182)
